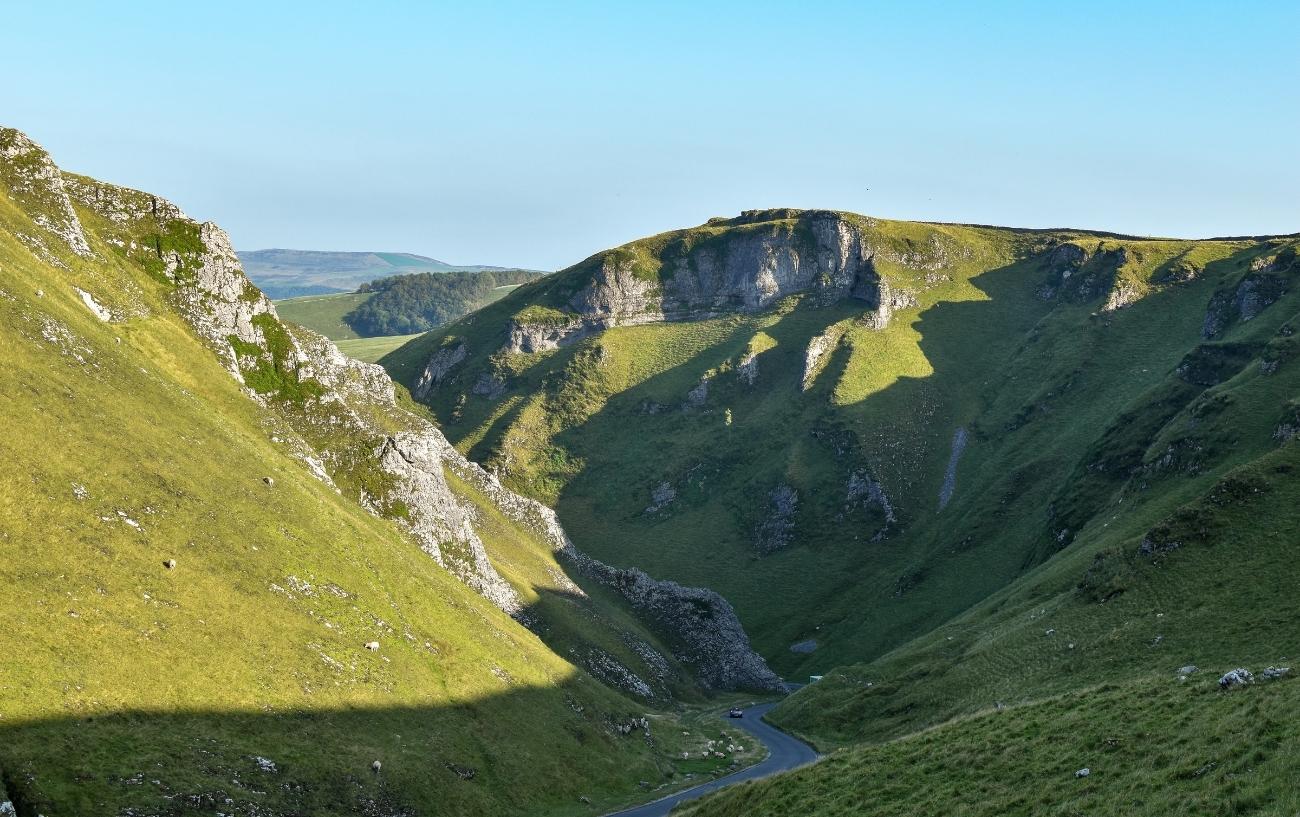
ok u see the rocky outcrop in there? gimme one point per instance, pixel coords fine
(776, 529)
(437, 369)
(437, 517)
(525, 337)
(699, 625)
(863, 490)
(1122, 294)
(343, 412)
(661, 497)
(37, 184)
(747, 368)
(765, 257)
(1269, 278)
(1077, 275)
(817, 354)
(698, 395)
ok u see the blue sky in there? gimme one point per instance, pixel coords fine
(537, 133)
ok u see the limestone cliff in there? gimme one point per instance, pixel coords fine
(741, 265)
(339, 416)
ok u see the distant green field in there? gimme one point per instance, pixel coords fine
(371, 349)
(323, 313)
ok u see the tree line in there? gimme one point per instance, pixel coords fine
(403, 304)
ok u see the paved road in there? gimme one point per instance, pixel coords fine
(784, 752)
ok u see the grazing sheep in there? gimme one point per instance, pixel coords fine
(376, 766)
(170, 564)
(372, 645)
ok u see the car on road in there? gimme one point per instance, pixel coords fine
(736, 712)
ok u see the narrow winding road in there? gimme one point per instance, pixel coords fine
(784, 753)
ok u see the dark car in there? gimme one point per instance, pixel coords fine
(736, 712)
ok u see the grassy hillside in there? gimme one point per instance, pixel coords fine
(188, 603)
(1063, 469)
(1032, 379)
(372, 349)
(1151, 746)
(324, 313)
(1086, 655)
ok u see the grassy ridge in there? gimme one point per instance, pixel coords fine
(237, 678)
(1124, 505)
(595, 427)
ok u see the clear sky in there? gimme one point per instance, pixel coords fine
(534, 134)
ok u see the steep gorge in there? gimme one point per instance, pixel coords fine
(242, 570)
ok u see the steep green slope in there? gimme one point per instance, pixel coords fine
(793, 453)
(1088, 655)
(998, 466)
(196, 566)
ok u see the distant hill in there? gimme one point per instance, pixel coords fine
(284, 273)
(400, 304)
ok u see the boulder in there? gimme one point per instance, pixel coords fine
(1239, 677)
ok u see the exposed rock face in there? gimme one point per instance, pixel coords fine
(526, 338)
(354, 401)
(747, 369)
(437, 369)
(746, 270)
(777, 528)
(661, 497)
(38, 184)
(1267, 281)
(862, 488)
(488, 385)
(1077, 275)
(437, 516)
(697, 396)
(815, 356)
(698, 624)
(1121, 295)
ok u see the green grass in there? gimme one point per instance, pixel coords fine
(323, 313)
(1034, 382)
(1152, 746)
(1088, 431)
(372, 349)
(135, 686)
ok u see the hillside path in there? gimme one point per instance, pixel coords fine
(784, 753)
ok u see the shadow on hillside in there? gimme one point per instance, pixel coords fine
(516, 751)
(1033, 381)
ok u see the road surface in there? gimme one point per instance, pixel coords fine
(784, 752)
